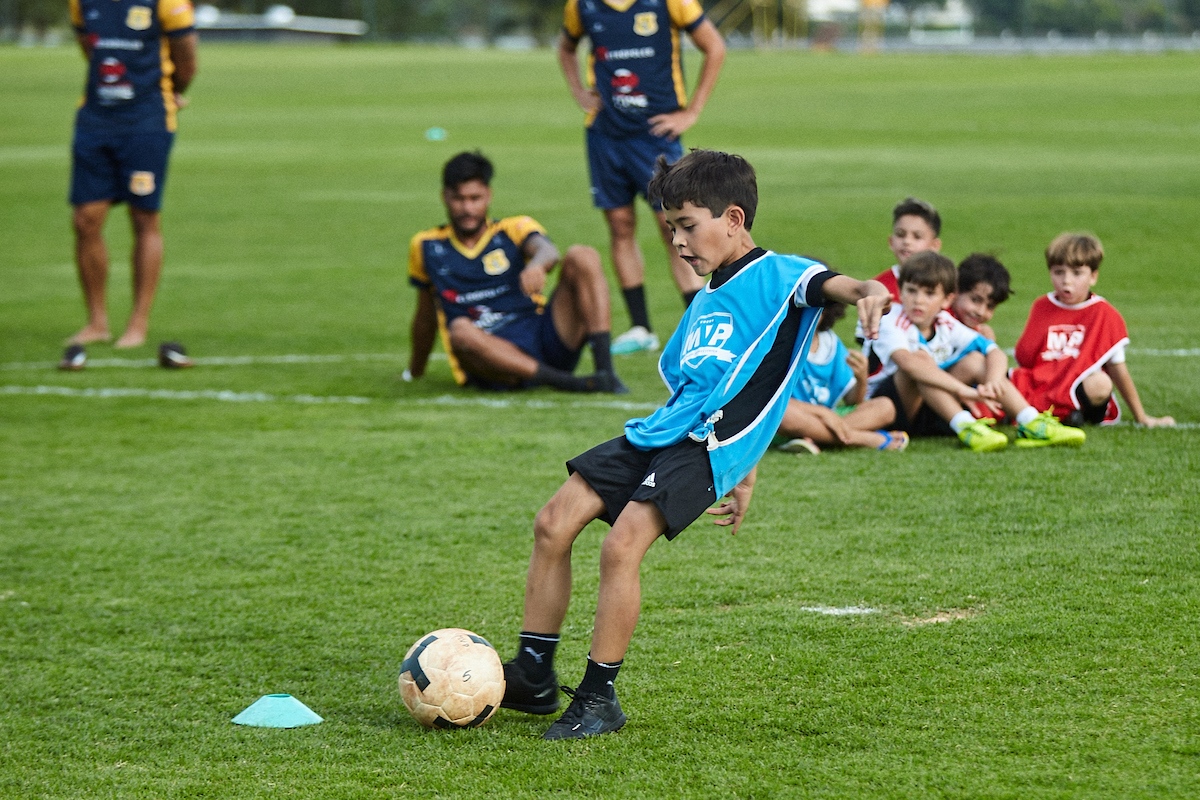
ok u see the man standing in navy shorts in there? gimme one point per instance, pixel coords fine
(141, 58)
(637, 109)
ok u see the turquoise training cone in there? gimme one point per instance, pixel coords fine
(277, 711)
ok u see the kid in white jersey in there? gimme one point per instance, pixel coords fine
(931, 365)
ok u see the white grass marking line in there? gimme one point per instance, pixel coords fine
(224, 361)
(227, 396)
(843, 611)
(336, 358)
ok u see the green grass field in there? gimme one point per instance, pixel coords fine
(174, 545)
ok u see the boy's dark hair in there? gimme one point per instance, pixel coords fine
(929, 270)
(982, 268)
(467, 167)
(1075, 250)
(829, 317)
(706, 179)
(918, 208)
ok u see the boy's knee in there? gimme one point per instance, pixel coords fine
(464, 337)
(1098, 387)
(970, 369)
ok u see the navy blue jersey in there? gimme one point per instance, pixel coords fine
(482, 283)
(129, 72)
(636, 64)
(734, 360)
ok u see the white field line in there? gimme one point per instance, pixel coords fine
(227, 396)
(334, 358)
(843, 611)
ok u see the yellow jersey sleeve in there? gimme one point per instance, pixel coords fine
(684, 13)
(518, 229)
(572, 23)
(416, 259)
(76, 14)
(175, 15)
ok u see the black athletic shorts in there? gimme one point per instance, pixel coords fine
(677, 479)
(925, 422)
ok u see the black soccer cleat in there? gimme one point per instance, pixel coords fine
(606, 381)
(520, 694)
(74, 358)
(588, 715)
(171, 355)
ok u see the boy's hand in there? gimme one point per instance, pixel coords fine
(1158, 422)
(732, 509)
(858, 364)
(870, 310)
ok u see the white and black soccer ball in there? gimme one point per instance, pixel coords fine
(452, 678)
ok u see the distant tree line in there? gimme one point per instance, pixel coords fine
(490, 19)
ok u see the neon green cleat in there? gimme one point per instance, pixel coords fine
(1046, 431)
(981, 437)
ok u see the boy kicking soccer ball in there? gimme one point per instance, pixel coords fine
(730, 366)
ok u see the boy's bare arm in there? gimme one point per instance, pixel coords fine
(871, 298)
(1124, 383)
(858, 365)
(732, 509)
(995, 375)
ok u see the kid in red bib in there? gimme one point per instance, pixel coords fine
(1072, 352)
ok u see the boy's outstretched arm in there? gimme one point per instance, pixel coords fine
(1123, 381)
(732, 509)
(870, 297)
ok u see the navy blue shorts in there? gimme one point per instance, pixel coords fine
(621, 169)
(678, 479)
(127, 166)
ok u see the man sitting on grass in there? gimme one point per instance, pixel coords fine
(480, 282)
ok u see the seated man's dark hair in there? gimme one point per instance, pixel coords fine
(467, 167)
(706, 179)
(918, 208)
(981, 268)
(929, 270)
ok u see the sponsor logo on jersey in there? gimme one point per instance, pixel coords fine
(138, 18)
(495, 262)
(141, 183)
(645, 23)
(113, 86)
(627, 54)
(625, 90)
(649, 481)
(1063, 341)
(117, 44)
(707, 340)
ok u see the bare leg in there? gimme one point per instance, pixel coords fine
(871, 415)
(1098, 387)
(581, 305)
(685, 277)
(620, 601)
(490, 357)
(805, 420)
(557, 525)
(91, 262)
(147, 267)
(626, 255)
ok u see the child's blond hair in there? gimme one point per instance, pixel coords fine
(1075, 250)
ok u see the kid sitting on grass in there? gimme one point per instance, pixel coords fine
(983, 284)
(832, 375)
(730, 367)
(1072, 352)
(931, 364)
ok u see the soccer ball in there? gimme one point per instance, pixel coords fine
(451, 678)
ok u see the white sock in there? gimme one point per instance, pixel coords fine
(961, 420)
(1027, 415)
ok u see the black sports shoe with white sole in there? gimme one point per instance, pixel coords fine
(520, 694)
(588, 715)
